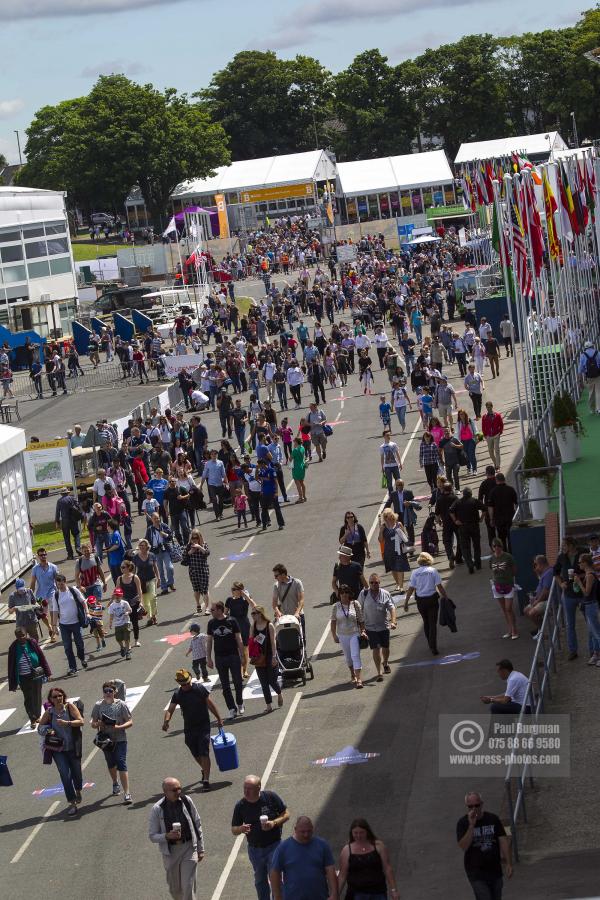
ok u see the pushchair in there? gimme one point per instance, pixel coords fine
(290, 649)
(430, 542)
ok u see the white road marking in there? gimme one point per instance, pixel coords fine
(265, 777)
(252, 688)
(6, 714)
(27, 842)
(27, 729)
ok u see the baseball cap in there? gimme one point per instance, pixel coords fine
(118, 592)
(182, 676)
(19, 584)
(588, 345)
(194, 627)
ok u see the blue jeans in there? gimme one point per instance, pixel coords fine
(590, 611)
(94, 590)
(180, 525)
(418, 332)
(391, 474)
(485, 889)
(101, 542)
(69, 769)
(570, 605)
(68, 634)
(401, 413)
(260, 858)
(470, 451)
(165, 569)
(240, 435)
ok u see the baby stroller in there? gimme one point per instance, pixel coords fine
(291, 653)
(430, 541)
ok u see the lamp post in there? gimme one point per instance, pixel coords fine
(575, 138)
(19, 148)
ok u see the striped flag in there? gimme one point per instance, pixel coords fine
(520, 267)
(550, 207)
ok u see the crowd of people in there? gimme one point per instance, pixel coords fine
(156, 471)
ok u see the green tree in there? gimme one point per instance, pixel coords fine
(267, 105)
(97, 147)
(3, 161)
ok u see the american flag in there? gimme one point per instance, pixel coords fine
(520, 267)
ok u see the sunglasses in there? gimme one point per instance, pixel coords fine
(108, 690)
(473, 805)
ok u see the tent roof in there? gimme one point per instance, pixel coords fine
(392, 173)
(292, 168)
(531, 144)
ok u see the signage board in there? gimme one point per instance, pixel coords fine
(48, 464)
(277, 192)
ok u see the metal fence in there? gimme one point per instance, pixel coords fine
(106, 374)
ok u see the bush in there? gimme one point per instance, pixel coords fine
(534, 461)
(565, 414)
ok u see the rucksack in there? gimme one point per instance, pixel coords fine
(592, 370)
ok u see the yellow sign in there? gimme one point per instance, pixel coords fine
(222, 213)
(46, 445)
(280, 192)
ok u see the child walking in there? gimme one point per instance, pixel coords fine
(240, 504)
(96, 611)
(385, 412)
(198, 650)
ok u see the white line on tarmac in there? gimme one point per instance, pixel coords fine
(265, 777)
(38, 827)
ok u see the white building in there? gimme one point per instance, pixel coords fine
(38, 288)
(16, 553)
(537, 147)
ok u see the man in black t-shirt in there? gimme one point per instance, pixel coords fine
(482, 837)
(485, 489)
(348, 572)
(195, 704)
(502, 506)
(224, 633)
(263, 838)
(467, 513)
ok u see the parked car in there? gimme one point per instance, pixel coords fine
(124, 299)
(101, 218)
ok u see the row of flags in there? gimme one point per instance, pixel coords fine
(566, 213)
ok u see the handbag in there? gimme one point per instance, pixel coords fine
(327, 430)
(53, 742)
(257, 655)
(5, 779)
(175, 551)
(363, 641)
(383, 480)
(104, 742)
(38, 673)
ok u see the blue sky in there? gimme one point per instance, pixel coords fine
(55, 49)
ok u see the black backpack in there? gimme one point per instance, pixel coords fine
(591, 366)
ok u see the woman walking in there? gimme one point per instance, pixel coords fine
(395, 542)
(263, 656)
(504, 569)
(60, 726)
(429, 459)
(426, 583)
(159, 536)
(587, 582)
(131, 586)
(237, 606)
(365, 373)
(466, 432)
(347, 626)
(352, 534)
(148, 574)
(195, 557)
(27, 666)
(365, 866)
(299, 469)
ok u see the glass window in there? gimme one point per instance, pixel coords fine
(11, 254)
(291, 204)
(8, 237)
(18, 292)
(31, 231)
(56, 227)
(281, 204)
(39, 269)
(57, 245)
(384, 206)
(60, 266)
(417, 202)
(12, 274)
(363, 209)
(35, 249)
(449, 194)
(272, 205)
(352, 211)
(373, 206)
(395, 204)
(300, 202)
(438, 195)
(262, 207)
(406, 203)
(427, 197)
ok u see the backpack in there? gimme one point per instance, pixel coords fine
(82, 612)
(592, 370)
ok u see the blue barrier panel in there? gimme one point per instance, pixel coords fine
(81, 337)
(141, 321)
(123, 327)
(97, 324)
(494, 308)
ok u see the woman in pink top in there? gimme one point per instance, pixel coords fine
(437, 430)
(287, 435)
(466, 432)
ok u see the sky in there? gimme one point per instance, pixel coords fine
(53, 50)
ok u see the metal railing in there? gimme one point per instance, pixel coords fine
(518, 778)
(106, 374)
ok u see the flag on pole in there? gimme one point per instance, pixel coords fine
(565, 218)
(532, 225)
(520, 267)
(550, 208)
(171, 228)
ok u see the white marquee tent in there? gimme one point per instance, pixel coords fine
(394, 173)
(530, 144)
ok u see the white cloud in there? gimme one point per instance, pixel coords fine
(35, 9)
(8, 108)
(113, 66)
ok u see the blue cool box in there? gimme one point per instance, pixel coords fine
(225, 750)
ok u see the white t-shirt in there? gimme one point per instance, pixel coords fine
(101, 485)
(120, 612)
(66, 607)
(400, 398)
(269, 371)
(516, 687)
(424, 580)
(381, 340)
(389, 454)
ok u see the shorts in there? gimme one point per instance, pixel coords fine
(444, 409)
(117, 757)
(379, 639)
(122, 633)
(197, 741)
(319, 440)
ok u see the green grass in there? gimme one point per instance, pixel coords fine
(81, 252)
(46, 535)
(244, 304)
(579, 477)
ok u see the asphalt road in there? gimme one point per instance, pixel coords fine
(106, 851)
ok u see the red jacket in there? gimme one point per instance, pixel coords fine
(138, 467)
(492, 425)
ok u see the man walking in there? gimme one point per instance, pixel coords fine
(377, 606)
(68, 609)
(195, 704)
(176, 827)
(444, 504)
(589, 369)
(317, 419)
(266, 475)
(391, 461)
(502, 506)
(22, 601)
(492, 426)
(482, 838)
(507, 332)
(444, 400)
(475, 385)
(67, 517)
(223, 633)
(42, 582)
(467, 513)
(485, 489)
(303, 866)
(216, 477)
(260, 815)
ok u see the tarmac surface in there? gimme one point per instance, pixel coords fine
(106, 851)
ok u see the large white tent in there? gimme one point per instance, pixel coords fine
(394, 173)
(254, 174)
(531, 144)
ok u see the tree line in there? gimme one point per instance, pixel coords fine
(480, 87)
